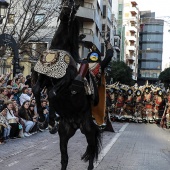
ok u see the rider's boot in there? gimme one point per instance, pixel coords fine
(78, 83)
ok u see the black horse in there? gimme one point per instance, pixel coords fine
(66, 95)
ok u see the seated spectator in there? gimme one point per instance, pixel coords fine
(3, 95)
(26, 117)
(45, 109)
(5, 124)
(15, 109)
(13, 120)
(33, 101)
(24, 96)
(16, 95)
(34, 116)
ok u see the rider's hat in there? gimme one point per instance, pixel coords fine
(94, 56)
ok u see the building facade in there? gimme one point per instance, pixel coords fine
(128, 20)
(150, 47)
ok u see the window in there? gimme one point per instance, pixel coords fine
(11, 19)
(39, 18)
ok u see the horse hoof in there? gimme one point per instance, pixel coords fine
(42, 125)
(53, 129)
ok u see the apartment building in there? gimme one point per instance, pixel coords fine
(150, 47)
(128, 19)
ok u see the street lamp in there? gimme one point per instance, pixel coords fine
(3, 9)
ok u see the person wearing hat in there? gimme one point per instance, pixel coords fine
(97, 67)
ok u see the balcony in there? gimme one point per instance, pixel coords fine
(130, 58)
(131, 38)
(133, 20)
(132, 67)
(131, 48)
(133, 2)
(86, 11)
(133, 10)
(133, 29)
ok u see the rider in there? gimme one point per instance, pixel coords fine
(97, 68)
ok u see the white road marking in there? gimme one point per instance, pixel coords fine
(109, 146)
(13, 163)
(1, 160)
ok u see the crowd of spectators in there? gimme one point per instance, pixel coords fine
(18, 111)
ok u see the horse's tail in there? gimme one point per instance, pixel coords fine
(93, 150)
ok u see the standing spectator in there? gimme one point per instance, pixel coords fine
(16, 95)
(3, 95)
(24, 96)
(22, 82)
(13, 120)
(5, 124)
(28, 81)
(26, 117)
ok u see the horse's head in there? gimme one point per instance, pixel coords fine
(68, 10)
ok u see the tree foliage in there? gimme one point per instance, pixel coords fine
(31, 20)
(120, 72)
(164, 76)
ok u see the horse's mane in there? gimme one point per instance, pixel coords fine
(66, 38)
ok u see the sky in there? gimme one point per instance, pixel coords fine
(161, 9)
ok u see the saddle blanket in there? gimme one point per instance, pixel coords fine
(53, 63)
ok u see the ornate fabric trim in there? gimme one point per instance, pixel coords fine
(53, 63)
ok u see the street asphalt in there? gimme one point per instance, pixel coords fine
(132, 147)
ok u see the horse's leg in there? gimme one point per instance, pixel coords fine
(93, 136)
(52, 123)
(65, 132)
(37, 94)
